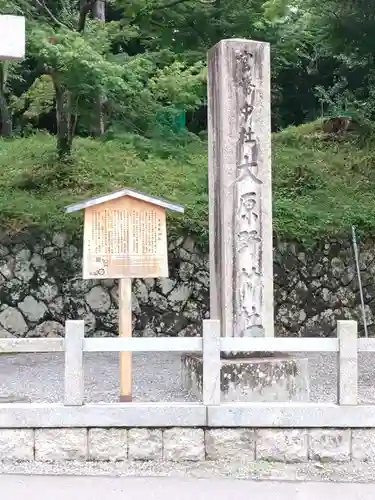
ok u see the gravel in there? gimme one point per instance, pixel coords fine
(156, 377)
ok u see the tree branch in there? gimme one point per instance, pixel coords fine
(42, 5)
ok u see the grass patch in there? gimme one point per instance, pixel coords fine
(322, 185)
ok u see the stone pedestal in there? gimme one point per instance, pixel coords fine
(255, 379)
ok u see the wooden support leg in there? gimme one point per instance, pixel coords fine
(125, 330)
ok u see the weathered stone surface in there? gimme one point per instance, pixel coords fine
(12, 320)
(59, 240)
(145, 444)
(32, 309)
(252, 379)
(179, 295)
(239, 100)
(166, 285)
(230, 444)
(48, 329)
(23, 271)
(47, 292)
(363, 445)
(282, 445)
(329, 445)
(108, 444)
(16, 445)
(7, 268)
(60, 444)
(141, 291)
(183, 444)
(4, 334)
(305, 305)
(98, 299)
(38, 262)
(56, 306)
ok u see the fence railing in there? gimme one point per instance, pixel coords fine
(74, 413)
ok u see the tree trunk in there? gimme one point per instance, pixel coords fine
(5, 114)
(64, 122)
(97, 127)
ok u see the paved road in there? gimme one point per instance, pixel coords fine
(100, 488)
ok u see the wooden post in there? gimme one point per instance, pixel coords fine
(125, 330)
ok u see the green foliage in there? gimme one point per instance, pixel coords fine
(321, 186)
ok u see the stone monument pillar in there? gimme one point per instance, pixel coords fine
(240, 197)
(239, 128)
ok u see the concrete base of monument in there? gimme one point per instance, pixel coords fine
(252, 379)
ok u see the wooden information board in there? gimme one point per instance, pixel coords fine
(125, 238)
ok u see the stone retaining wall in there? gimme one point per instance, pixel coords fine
(187, 444)
(41, 287)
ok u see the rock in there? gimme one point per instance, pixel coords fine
(110, 320)
(145, 444)
(23, 255)
(68, 253)
(12, 320)
(179, 295)
(150, 283)
(135, 305)
(14, 291)
(38, 262)
(48, 329)
(166, 285)
(183, 444)
(230, 444)
(51, 251)
(59, 240)
(98, 299)
(192, 311)
(79, 286)
(158, 301)
(114, 295)
(23, 271)
(3, 251)
(287, 445)
(103, 333)
(331, 445)
(56, 307)
(32, 309)
(317, 270)
(110, 445)
(7, 267)
(89, 318)
(189, 244)
(108, 284)
(203, 277)
(4, 334)
(16, 445)
(186, 271)
(141, 291)
(61, 444)
(302, 316)
(47, 292)
(363, 445)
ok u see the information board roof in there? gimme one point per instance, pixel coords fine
(97, 200)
